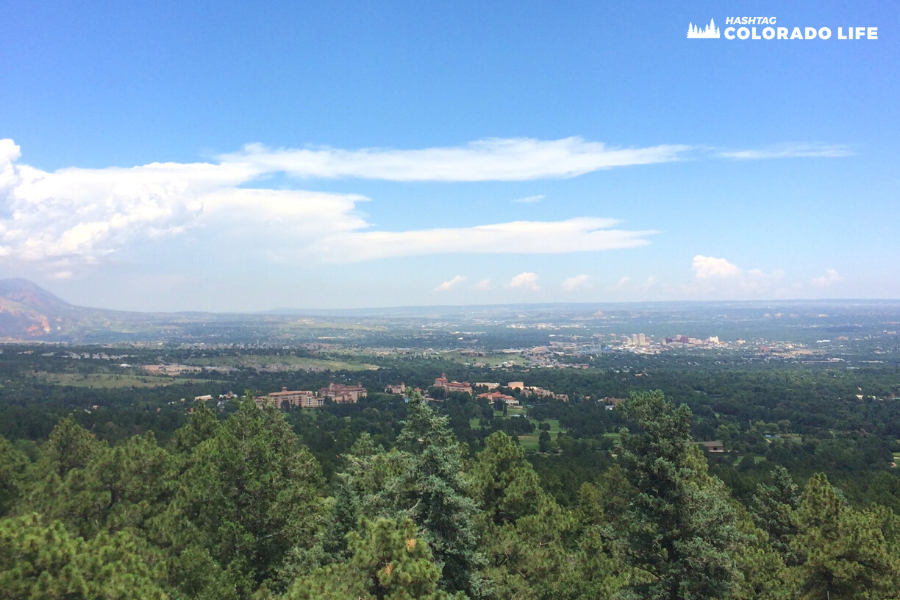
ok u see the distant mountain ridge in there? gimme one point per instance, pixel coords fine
(28, 311)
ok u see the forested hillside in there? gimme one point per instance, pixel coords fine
(237, 507)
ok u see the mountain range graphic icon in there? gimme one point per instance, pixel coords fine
(711, 31)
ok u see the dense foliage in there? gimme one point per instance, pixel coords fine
(426, 503)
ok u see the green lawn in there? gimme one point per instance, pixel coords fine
(491, 360)
(528, 442)
(104, 380)
(290, 362)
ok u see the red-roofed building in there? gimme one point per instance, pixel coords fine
(453, 386)
(493, 397)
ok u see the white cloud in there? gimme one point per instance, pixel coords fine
(718, 278)
(619, 285)
(484, 284)
(829, 278)
(493, 159)
(708, 267)
(75, 216)
(578, 282)
(72, 217)
(449, 285)
(646, 285)
(528, 199)
(524, 281)
(585, 234)
(790, 151)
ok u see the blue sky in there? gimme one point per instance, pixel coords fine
(333, 154)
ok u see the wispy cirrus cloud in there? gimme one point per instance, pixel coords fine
(493, 159)
(585, 234)
(790, 151)
(528, 199)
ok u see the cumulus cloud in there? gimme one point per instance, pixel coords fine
(619, 285)
(829, 278)
(449, 285)
(790, 151)
(716, 277)
(528, 199)
(484, 284)
(646, 285)
(578, 282)
(709, 267)
(524, 281)
(494, 159)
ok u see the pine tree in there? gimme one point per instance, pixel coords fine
(431, 490)
(772, 507)
(48, 562)
(13, 465)
(249, 496)
(70, 447)
(116, 488)
(681, 528)
(201, 426)
(389, 561)
(843, 552)
(503, 482)
(344, 518)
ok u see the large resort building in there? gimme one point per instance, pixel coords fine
(339, 393)
(343, 394)
(452, 386)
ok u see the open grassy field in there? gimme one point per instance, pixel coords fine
(287, 362)
(104, 380)
(110, 380)
(529, 442)
(493, 359)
